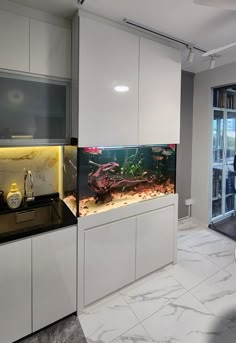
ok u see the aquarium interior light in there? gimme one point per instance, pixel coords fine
(131, 146)
(121, 88)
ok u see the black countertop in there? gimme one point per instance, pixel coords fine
(62, 217)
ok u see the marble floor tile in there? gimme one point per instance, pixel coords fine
(218, 294)
(223, 257)
(107, 320)
(183, 234)
(219, 251)
(190, 272)
(204, 237)
(187, 223)
(185, 253)
(231, 268)
(67, 330)
(135, 335)
(149, 296)
(186, 320)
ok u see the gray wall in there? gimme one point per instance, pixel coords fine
(184, 149)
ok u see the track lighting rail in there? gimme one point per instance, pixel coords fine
(163, 35)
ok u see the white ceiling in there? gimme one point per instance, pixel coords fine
(61, 8)
(206, 27)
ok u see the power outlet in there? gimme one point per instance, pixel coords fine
(188, 202)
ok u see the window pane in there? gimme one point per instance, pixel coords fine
(218, 128)
(217, 191)
(229, 166)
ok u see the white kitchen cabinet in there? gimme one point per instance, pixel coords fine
(50, 49)
(109, 258)
(15, 290)
(14, 42)
(155, 245)
(124, 244)
(159, 93)
(108, 57)
(54, 276)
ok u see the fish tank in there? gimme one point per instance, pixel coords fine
(70, 191)
(111, 177)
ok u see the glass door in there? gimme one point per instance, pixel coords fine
(224, 150)
(230, 145)
(217, 168)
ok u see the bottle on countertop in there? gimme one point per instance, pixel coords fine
(14, 197)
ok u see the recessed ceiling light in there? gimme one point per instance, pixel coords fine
(121, 88)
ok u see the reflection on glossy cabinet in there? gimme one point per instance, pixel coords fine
(14, 42)
(50, 49)
(54, 276)
(155, 240)
(108, 58)
(15, 290)
(109, 258)
(159, 93)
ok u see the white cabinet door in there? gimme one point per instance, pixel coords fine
(54, 276)
(159, 93)
(50, 49)
(14, 42)
(155, 240)
(15, 290)
(109, 258)
(108, 58)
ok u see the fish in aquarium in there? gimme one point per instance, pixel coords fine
(93, 151)
(118, 176)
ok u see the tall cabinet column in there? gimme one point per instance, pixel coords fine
(108, 58)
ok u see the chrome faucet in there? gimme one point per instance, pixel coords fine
(28, 196)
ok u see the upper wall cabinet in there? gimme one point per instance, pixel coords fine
(159, 93)
(50, 49)
(14, 42)
(108, 85)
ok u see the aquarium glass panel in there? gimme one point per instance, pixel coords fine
(118, 176)
(70, 177)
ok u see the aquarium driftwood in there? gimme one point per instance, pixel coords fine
(102, 183)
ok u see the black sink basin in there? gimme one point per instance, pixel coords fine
(30, 218)
(46, 213)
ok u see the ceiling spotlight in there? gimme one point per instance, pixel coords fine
(190, 55)
(212, 63)
(80, 2)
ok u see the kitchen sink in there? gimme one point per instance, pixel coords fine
(30, 218)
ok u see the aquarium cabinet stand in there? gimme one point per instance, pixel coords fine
(119, 246)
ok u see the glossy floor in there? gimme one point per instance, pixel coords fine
(191, 302)
(67, 330)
